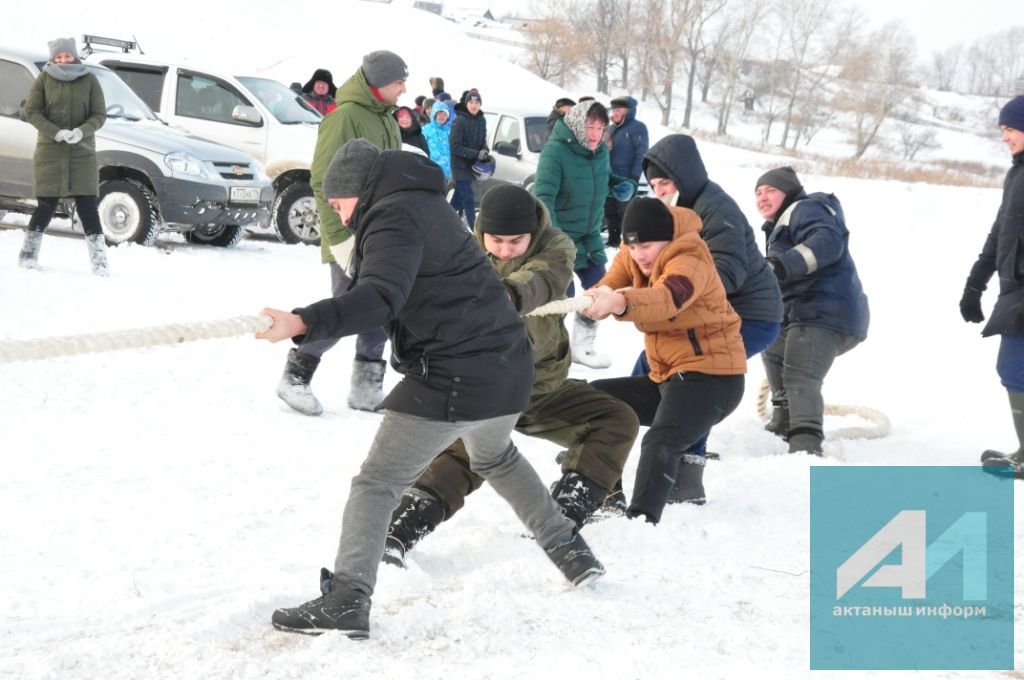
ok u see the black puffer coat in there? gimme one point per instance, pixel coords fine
(469, 136)
(455, 335)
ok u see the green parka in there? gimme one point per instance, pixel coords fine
(572, 181)
(359, 115)
(538, 276)
(62, 169)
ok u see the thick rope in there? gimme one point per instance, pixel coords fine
(574, 304)
(112, 341)
(879, 428)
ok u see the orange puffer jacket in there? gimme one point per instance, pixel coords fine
(700, 335)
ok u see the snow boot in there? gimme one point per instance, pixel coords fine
(584, 331)
(341, 607)
(576, 561)
(804, 440)
(578, 496)
(97, 254)
(615, 501)
(418, 513)
(1017, 410)
(367, 387)
(294, 388)
(689, 486)
(779, 424)
(29, 255)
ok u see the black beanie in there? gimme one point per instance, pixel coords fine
(1012, 113)
(507, 210)
(654, 171)
(647, 219)
(784, 179)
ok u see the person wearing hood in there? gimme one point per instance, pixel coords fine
(534, 262)
(366, 101)
(416, 270)
(826, 309)
(66, 105)
(677, 176)
(319, 91)
(573, 179)
(1002, 254)
(468, 141)
(562, 106)
(628, 142)
(664, 280)
(437, 134)
(412, 134)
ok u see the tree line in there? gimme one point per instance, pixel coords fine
(795, 62)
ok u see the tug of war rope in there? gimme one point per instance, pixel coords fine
(172, 334)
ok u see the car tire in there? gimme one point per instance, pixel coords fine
(220, 235)
(128, 212)
(294, 215)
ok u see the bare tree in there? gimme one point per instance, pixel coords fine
(915, 139)
(553, 51)
(667, 21)
(697, 16)
(603, 21)
(946, 67)
(738, 26)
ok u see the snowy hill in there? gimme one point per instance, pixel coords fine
(157, 505)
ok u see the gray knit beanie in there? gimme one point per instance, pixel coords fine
(349, 169)
(383, 67)
(784, 179)
(63, 45)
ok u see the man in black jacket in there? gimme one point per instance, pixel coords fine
(468, 143)
(1002, 253)
(417, 272)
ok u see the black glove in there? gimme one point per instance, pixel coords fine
(482, 155)
(780, 271)
(970, 305)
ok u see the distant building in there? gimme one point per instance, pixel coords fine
(432, 7)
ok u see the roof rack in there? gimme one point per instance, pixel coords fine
(124, 45)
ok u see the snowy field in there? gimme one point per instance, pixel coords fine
(157, 505)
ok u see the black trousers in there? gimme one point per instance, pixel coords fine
(677, 412)
(86, 206)
(613, 212)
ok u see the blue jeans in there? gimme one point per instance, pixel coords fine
(463, 199)
(1010, 362)
(757, 336)
(589, 276)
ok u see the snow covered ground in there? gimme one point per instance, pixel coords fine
(157, 505)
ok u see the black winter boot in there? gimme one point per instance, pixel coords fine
(779, 424)
(294, 388)
(689, 486)
(367, 387)
(578, 496)
(418, 513)
(615, 502)
(341, 607)
(804, 440)
(576, 561)
(1010, 463)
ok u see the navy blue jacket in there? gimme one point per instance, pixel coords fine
(629, 144)
(749, 281)
(1003, 252)
(820, 286)
(469, 135)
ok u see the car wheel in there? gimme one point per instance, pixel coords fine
(128, 212)
(295, 216)
(220, 235)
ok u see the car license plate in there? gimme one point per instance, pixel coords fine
(245, 194)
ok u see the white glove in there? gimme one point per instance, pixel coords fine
(61, 136)
(74, 136)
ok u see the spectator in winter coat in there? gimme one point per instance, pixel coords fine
(562, 106)
(573, 180)
(677, 176)
(468, 144)
(534, 263)
(416, 270)
(665, 282)
(412, 134)
(319, 91)
(628, 146)
(437, 86)
(1002, 254)
(437, 134)
(826, 309)
(65, 104)
(367, 100)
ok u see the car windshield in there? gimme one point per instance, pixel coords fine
(536, 133)
(287, 106)
(122, 102)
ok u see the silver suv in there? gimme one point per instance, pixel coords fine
(153, 178)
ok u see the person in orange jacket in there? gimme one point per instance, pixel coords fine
(665, 282)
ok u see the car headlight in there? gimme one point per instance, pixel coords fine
(186, 164)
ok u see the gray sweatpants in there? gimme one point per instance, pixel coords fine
(796, 365)
(402, 449)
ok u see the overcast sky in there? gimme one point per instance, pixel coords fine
(936, 24)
